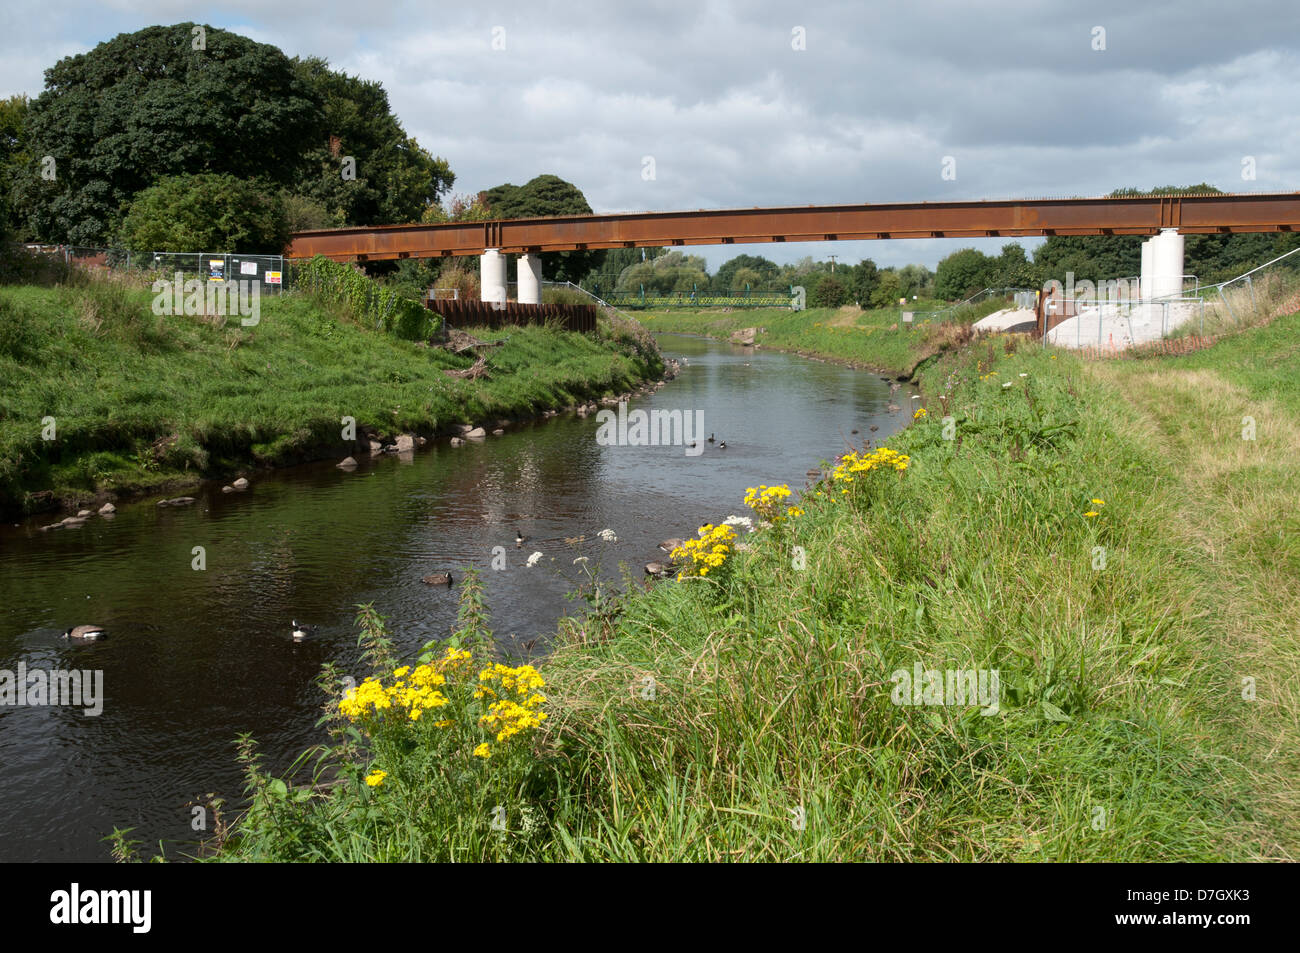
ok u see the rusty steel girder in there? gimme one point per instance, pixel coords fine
(1142, 215)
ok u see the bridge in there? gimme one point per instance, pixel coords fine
(1126, 215)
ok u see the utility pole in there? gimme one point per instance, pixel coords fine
(832, 258)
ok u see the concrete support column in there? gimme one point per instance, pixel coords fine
(492, 277)
(1144, 283)
(1167, 264)
(530, 279)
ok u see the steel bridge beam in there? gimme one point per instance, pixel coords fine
(1144, 215)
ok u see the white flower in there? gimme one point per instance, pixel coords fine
(744, 521)
(916, 397)
(1006, 385)
(580, 559)
(533, 559)
(1024, 375)
(608, 536)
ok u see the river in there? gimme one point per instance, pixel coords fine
(196, 656)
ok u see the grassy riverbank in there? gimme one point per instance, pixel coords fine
(875, 338)
(1099, 533)
(141, 402)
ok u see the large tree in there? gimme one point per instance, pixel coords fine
(962, 273)
(208, 212)
(665, 274)
(865, 279)
(13, 156)
(725, 278)
(543, 197)
(165, 100)
(363, 167)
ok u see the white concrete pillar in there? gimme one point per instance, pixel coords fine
(1144, 283)
(529, 268)
(492, 277)
(1167, 264)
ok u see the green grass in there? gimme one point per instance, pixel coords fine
(142, 401)
(1121, 639)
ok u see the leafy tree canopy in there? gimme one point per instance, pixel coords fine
(768, 273)
(147, 105)
(206, 212)
(363, 167)
(13, 156)
(541, 197)
(828, 292)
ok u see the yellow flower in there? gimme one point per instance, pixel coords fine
(1098, 502)
(376, 778)
(483, 751)
(1092, 513)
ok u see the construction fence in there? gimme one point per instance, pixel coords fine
(272, 272)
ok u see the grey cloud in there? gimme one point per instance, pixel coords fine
(735, 117)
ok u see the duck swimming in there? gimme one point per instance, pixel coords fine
(85, 633)
(438, 579)
(301, 631)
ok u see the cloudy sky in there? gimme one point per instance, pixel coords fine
(765, 103)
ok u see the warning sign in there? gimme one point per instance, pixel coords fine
(273, 278)
(216, 269)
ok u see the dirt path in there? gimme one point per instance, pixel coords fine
(1237, 491)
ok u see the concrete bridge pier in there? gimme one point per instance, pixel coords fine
(1162, 271)
(530, 278)
(492, 277)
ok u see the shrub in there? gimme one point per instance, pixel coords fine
(371, 304)
(829, 292)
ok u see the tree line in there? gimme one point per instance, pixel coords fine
(192, 138)
(1211, 258)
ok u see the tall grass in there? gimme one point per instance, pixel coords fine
(1047, 530)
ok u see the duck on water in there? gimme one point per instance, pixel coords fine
(85, 633)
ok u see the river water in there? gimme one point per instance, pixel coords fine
(196, 656)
